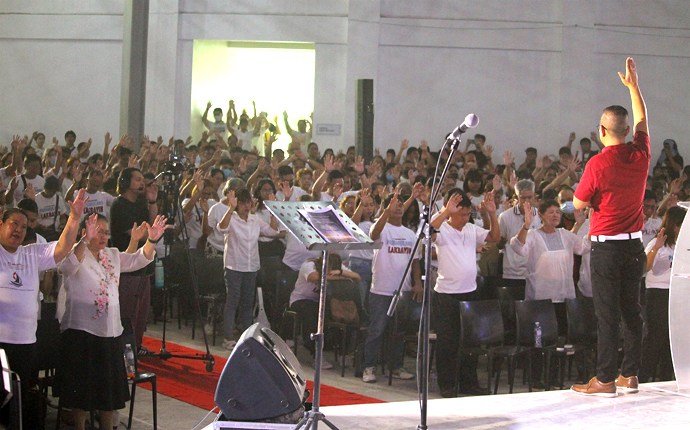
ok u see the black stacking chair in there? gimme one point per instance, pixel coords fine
(139, 377)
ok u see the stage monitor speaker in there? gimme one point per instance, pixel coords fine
(364, 119)
(262, 378)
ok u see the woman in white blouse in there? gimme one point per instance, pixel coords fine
(241, 258)
(92, 373)
(549, 251)
(656, 348)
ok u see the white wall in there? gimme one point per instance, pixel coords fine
(532, 70)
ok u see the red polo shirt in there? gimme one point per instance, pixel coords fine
(614, 183)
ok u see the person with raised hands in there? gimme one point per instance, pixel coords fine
(241, 258)
(388, 265)
(19, 288)
(91, 370)
(456, 243)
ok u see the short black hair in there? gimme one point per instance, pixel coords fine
(649, 195)
(285, 170)
(70, 133)
(464, 203)
(27, 205)
(30, 158)
(335, 174)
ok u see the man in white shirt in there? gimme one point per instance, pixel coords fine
(19, 184)
(388, 265)
(216, 239)
(218, 124)
(52, 209)
(510, 222)
(98, 201)
(456, 243)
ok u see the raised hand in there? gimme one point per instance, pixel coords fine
(571, 138)
(529, 216)
(395, 201)
(232, 200)
(496, 182)
(359, 165)
(513, 180)
(337, 191)
(156, 229)
(508, 158)
(92, 227)
(660, 239)
(404, 145)
(580, 216)
(488, 150)
(489, 204)
(132, 160)
(77, 206)
(328, 163)
(208, 105)
(286, 189)
(377, 153)
(139, 232)
(203, 204)
(453, 205)
(574, 165)
(108, 139)
(424, 146)
(417, 190)
(546, 162)
(30, 191)
(152, 192)
(630, 77)
(242, 166)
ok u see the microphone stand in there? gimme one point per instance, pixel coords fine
(424, 233)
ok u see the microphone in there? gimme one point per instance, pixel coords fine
(471, 121)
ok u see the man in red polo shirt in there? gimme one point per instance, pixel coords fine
(614, 184)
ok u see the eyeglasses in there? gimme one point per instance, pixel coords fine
(104, 233)
(599, 125)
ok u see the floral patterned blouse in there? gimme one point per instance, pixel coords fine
(88, 299)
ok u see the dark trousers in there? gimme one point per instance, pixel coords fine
(135, 299)
(308, 311)
(656, 348)
(617, 267)
(453, 370)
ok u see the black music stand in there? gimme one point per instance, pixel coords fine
(314, 240)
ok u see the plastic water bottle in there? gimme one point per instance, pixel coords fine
(129, 361)
(159, 274)
(537, 335)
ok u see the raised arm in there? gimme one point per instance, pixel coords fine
(639, 108)
(69, 234)
(204, 117)
(380, 223)
(287, 124)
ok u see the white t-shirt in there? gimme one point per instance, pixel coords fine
(456, 251)
(195, 224)
(390, 261)
(46, 210)
(66, 185)
(650, 230)
(218, 126)
(98, 203)
(88, 298)
(297, 192)
(296, 253)
(244, 138)
(510, 222)
(365, 254)
(215, 215)
(38, 182)
(660, 275)
(19, 292)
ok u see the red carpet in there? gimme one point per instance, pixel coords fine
(188, 381)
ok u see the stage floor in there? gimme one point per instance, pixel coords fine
(656, 406)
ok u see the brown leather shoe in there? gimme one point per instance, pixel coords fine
(596, 388)
(628, 385)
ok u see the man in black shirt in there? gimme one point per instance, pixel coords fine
(136, 203)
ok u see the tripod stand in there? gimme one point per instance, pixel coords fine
(424, 234)
(173, 209)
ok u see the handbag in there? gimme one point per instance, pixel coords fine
(344, 311)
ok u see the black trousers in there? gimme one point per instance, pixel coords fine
(617, 267)
(453, 370)
(656, 348)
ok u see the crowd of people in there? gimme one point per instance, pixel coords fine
(500, 221)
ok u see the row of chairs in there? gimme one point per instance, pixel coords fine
(484, 325)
